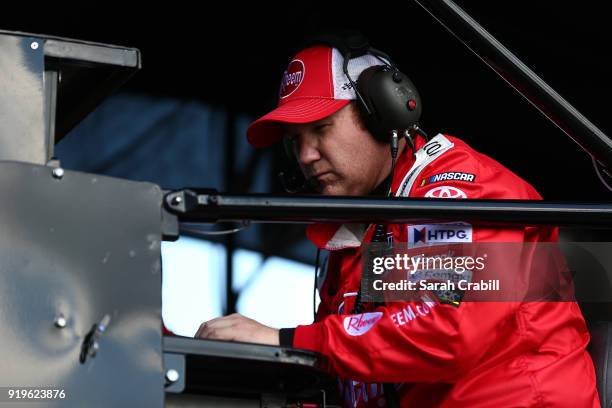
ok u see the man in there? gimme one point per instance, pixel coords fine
(429, 353)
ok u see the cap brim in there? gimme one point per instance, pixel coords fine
(267, 130)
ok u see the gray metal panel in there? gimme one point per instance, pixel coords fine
(97, 53)
(82, 246)
(22, 124)
(85, 51)
(267, 371)
(239, 350)
(49, 84)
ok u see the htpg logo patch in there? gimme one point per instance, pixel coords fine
(431, 234)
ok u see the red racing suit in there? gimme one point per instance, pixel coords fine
(480, 354)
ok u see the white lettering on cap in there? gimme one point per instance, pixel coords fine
(292, 78)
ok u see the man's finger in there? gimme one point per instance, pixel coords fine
(213, 320)
(219, 326)
(200, 329)
(217, 322)
(221, 323)
(226, 333)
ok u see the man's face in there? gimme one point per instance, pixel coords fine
(340, 153)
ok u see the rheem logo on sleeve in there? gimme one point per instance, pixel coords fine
(356, 325)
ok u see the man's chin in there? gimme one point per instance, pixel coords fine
(332, 190)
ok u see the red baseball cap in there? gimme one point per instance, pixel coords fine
(313, 87)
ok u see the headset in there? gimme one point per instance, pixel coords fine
(387, 99)
(388, 102)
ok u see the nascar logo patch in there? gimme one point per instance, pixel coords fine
(448, 176)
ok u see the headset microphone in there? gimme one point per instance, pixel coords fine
(293, 181)
(292, 178)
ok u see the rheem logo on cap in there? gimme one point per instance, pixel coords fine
(292, 78)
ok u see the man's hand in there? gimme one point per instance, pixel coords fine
(236, 327)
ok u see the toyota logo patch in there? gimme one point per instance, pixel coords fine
(445, 192)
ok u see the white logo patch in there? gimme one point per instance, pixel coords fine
(358, 324)
(423, 235)
(424, 156)
(445, 192)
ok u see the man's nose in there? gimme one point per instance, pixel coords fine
(307, 150)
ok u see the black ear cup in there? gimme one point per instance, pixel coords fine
(393, 101)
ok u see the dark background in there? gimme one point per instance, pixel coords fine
(231, 55)
(211, 68)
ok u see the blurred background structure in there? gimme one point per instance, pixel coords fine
(181, 120)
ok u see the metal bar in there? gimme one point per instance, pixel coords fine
(230, 244)
(93, 53)
(207, 206)
(50, 80)
(526, 82)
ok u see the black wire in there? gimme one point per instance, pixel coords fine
(423, 133)
(199, 233)
(347, 57)
(391, 179)
(380, 230)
